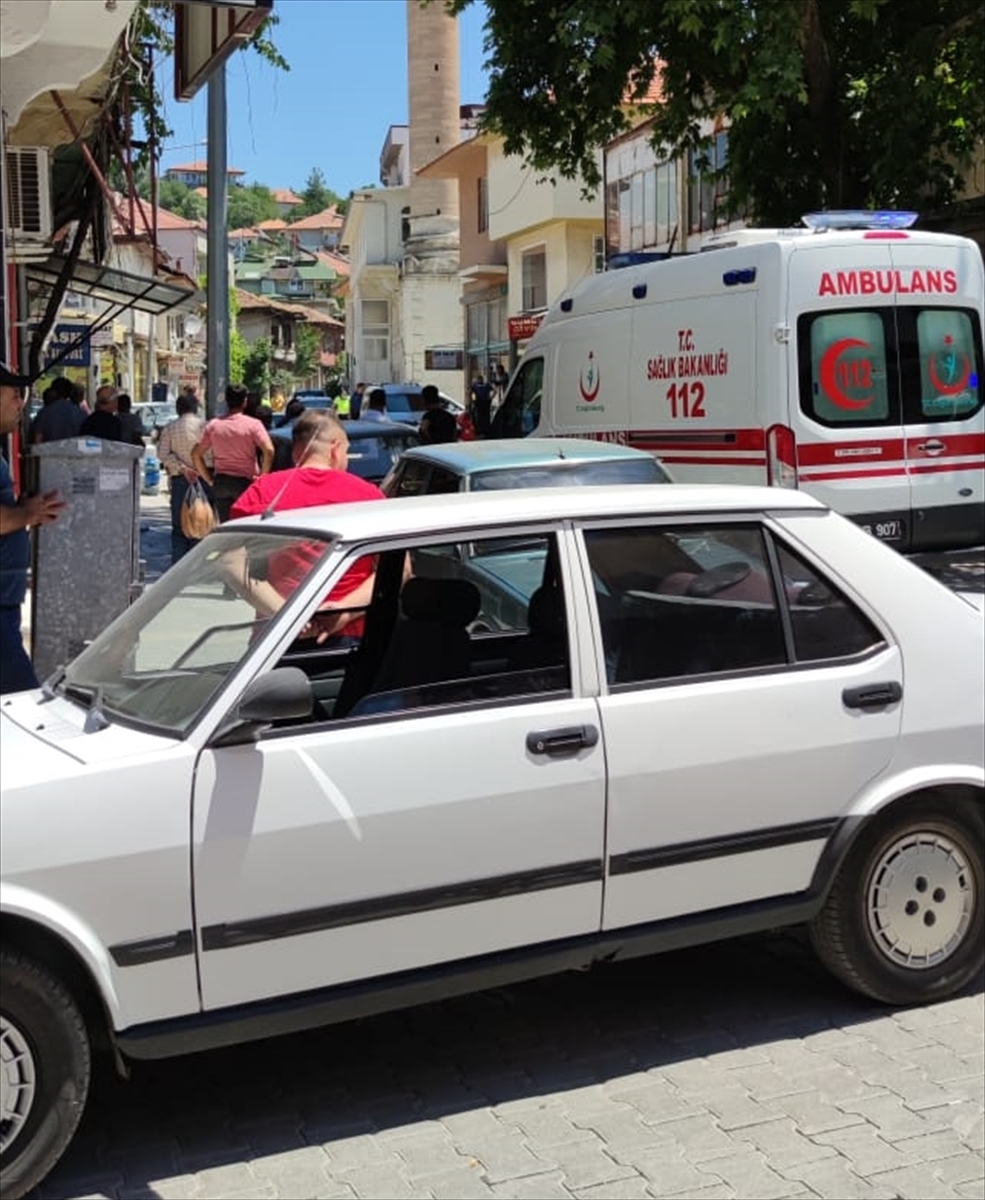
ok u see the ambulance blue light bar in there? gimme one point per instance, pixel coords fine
(858, 218)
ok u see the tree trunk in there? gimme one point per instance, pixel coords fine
(822, 103)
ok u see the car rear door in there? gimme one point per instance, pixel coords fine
(430, 824)
(725, 744)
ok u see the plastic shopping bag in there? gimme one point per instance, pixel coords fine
(197, 514)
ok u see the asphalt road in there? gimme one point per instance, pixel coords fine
(738, 1070)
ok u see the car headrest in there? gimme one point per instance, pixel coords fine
(545, 612)
(452, 602)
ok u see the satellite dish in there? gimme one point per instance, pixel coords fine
(193, 326)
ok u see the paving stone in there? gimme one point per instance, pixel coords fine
(458, 1183)
(308, 1158)
(175, 1187)
(972, 1191)
(939, 1064)
(585, 1164)
(963, 1168)
(867, 1152)
(932, 1146)
(748, 1174)
(718, 1191)
(660, 1102)
(533, 1187)
(814, 1115)
(914, 1183)
(668, 1172)
(378, 1180)
(357, 1152)
(231, 1177)
(426, 1157)
(622, 1189)
(700, 1138)
(892, 1119)
(783, 1145)
(548, 1126)
(508, 1158)
(468, 1128)
(833, 1179)
(736, 1110)
(766, 1083)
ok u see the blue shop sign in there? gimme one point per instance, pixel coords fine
(64, 336)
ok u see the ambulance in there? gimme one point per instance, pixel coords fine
(843, 358)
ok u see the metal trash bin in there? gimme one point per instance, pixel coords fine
(86, 568)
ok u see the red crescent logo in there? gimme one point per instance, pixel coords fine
(951, 389)
(590, 393)
(829, 367)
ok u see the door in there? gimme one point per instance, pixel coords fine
(454, 817)
(940, 340)
(726, 729)
(845, 408)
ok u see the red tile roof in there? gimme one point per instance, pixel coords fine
(243, 234)
(201, 166)
(336, 262)
(272, 224)
(285, 196)
(330, 218)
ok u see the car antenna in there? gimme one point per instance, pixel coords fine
(271, 509)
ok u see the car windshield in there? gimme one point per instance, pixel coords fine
(378, 453)
(162, 661)
(562, 474)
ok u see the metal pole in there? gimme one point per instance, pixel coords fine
(217, 323)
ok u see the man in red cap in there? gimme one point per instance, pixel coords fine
(16, 518)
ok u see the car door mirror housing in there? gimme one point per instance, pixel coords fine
(284, 694)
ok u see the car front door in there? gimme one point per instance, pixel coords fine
(734, 739)
(453, 819)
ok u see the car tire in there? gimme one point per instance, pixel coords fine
(45, 1062)
(903, 922)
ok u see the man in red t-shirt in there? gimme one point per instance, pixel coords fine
(320, 448)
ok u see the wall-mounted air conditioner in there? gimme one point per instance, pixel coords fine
(28, 194)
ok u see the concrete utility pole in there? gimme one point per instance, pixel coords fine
(217, 296)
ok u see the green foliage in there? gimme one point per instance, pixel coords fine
(237, 346)
(307, 347)
(178, 198)
(249, 205)
(316, 196)
(837, 104)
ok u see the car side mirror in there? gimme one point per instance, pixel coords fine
(283, 694)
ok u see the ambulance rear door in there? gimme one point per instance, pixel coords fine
(939, 323)
(845, 406)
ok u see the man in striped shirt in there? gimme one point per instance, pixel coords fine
(241, 448)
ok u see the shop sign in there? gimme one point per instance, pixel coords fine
(523, 327)
(62, 337)
(443, 360)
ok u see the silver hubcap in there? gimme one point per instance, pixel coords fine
(17, 1083)
(920, 899)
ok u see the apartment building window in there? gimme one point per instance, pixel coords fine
(641, 211)
(708, 186)
(534, 279)
(482, 188)
(376, 331)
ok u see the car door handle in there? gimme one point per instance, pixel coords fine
(557, 742)
(872, 695)
(934, 447)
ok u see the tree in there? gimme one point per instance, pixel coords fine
(176, 196)
(307, 348)
(840, 104)
(249, 205)
(316, 196)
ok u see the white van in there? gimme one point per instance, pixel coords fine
(845, 361)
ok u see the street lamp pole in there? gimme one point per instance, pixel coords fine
(217, 294)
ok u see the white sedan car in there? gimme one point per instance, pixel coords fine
(249, 807)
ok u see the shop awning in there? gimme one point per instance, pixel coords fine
(118, 287)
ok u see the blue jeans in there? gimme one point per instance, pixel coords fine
(180, 545)
(16, 672)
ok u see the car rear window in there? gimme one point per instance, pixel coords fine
(591, 474)
(403, 402)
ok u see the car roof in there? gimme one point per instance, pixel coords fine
(425, 514)
(465, 457)
(357, 429)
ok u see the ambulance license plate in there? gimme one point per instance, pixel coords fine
(892, 530)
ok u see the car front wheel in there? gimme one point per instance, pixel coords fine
(44, 1072)
(903, 922)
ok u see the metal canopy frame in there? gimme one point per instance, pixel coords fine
(118, 287)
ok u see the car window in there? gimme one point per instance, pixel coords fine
(410, 478)
(443, 482)
(447, 628)
(404, 402)
(376, 455)
(560, 474)
(825, 624)
(519, 414)
(950, 364)
(680, 602)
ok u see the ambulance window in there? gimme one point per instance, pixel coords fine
(950, 370)
(519, 414)
(844, 375)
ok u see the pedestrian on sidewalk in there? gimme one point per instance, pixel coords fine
(178, 439)
(437, 425)
(481, 405)
(103, 421)
(235, 441)
(17, 517)
(60, 416)
(130, 423)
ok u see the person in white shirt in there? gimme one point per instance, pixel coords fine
(375, 409)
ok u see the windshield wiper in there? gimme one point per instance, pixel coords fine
(48, 687)
(92, 698)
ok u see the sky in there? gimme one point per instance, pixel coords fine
(346, 87)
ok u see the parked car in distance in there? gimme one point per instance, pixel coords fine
(313, 398)
(530, 462)
(404, 404)
(154, 415)
(723, 710)
(374, 446)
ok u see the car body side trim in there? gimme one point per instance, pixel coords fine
(674, 855)
(153, 949)
(349, 1001)
(381, 908)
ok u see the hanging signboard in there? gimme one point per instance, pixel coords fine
(523, 327)
(443, 360)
